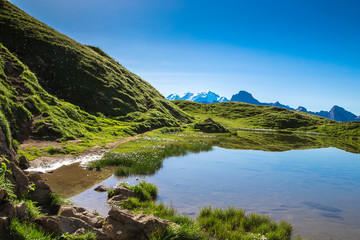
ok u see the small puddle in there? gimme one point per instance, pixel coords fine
(71, 180)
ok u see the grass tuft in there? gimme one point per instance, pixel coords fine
(233, 223)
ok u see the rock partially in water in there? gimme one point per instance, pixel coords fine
(126, 225)
(120, 194)
(42, 193)
(101, 188)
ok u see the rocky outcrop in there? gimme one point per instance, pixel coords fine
(20, 211)
(81, 213)
(59, 225)
(42, 192)
(19, 179)
(23, 162)
(210, 126)
(126, 225)
(120, 194)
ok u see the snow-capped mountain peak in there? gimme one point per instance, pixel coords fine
(203, 97)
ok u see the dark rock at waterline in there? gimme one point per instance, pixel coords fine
(34, 176)
(120, 194)
(24, 163)
(42, 193)
(101, 188)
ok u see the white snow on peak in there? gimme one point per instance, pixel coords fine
(203, 97)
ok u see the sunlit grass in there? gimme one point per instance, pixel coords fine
(145, 155)
(233, 223)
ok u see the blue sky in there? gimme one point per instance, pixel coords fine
(298, 52)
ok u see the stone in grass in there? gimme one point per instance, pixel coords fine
(210, 126)
(120, 194)
(126, 225)
(101, 188)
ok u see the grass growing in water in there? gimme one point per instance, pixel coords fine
(233, 223)
(145, 155)
(146, 193)
(229, 223)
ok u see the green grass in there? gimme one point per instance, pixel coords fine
(145, 155)
(239, 116)
(233, 223)
(55, 202)
(80, 74)
(26, 231)
(144, 191)
(5, 182)
(33, 210)
(144, 203)
(23, 230)
(227, 223)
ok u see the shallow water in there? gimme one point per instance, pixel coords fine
(317, 190)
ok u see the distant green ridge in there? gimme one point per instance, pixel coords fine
(80, 74)
(240, 116)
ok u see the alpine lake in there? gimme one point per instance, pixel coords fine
(313, 182)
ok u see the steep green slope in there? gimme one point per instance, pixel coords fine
(236, 115)
(80, 74)
(26, 109)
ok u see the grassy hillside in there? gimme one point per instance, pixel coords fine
(27, 109)
(80, 74)
(236, 115)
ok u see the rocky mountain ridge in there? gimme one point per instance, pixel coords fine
(335, 113)
(202, 97)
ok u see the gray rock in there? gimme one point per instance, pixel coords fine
(19, 179)
(34, 176)
(7, 210)
(59, 225)
(20, 211)
(81, 213)
(101, 188)
(120, 194)
(42, 193)
(126, 225)
(23, 162)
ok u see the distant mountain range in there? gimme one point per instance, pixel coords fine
(203, 97)
(335, 113)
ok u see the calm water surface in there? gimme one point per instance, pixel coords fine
(317, 190)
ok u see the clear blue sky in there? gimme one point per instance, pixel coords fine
(299, 52)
